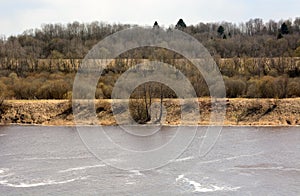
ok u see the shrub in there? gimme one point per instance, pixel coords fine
(107, 90)
(253, 89)
(267, 87)
(293, 87)
(13, 76)
(25, 89)
(235, 87)
(54, 90)
(2, 107)
(138, 111)
(280, 87)
(99, 93)
(3, 89)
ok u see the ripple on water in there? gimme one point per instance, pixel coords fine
(193, 186)
(81, 168)
(37, 184)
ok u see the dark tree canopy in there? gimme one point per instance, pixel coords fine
(155, 25)
(284, 29)
(221, 30)
(180, 24)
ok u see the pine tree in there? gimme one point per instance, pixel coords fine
(180, 24)
(284, 29)
(221, 30)
(155, 26)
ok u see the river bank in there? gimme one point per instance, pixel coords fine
(253, 112)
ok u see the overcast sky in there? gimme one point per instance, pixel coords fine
(19, 15)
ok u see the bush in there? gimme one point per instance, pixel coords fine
(261, 87)
(138, 111)
(25, 90)
(3, 106)
(3, 89)
(253, 89)
(281, 87)
(54, 90)
(107, 90)
(235, 87)
(293, 87)
(267, 87)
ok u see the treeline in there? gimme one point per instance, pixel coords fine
(254, 38)
(73, 40)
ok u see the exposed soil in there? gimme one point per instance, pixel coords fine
(275, 112)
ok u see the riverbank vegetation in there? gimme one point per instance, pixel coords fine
(257, 59)
(243, 77)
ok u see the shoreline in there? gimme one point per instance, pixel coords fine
(240, 112)
(143, 125)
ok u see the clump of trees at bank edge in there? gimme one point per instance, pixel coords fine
(257, 59)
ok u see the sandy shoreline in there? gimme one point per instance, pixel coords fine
(239, 112)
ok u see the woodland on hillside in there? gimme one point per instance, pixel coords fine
(257, 59)
(254, 38)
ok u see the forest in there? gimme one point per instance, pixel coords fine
(257, 59)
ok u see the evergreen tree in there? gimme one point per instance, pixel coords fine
(180, 24)
(156, 26)
(221, 30)
(284, 29)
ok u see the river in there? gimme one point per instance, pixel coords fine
(41, 160)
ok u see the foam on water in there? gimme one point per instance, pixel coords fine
(194, 186)
(135, 173)
(81, 168)
(4, 173)
(231, 158)
(44, 183)
(6, 182)
(3, 170)
(130, 183)
(183, 159)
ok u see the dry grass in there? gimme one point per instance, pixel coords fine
(258, 112)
